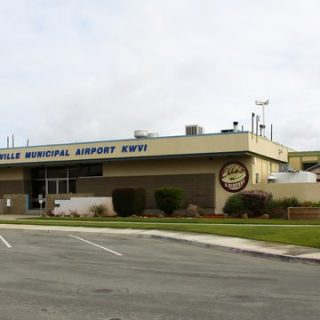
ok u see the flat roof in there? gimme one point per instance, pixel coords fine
(158, 147)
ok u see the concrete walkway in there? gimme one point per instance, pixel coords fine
(239, 245)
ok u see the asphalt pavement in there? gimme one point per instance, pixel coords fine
(73, 275)
(234, 244)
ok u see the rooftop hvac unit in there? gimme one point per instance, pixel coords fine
(193, 130)
(153, 134)
(141, 134)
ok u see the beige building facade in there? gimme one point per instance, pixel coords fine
(208, 167)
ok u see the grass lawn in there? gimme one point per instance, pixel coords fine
(282, 233)
(186, 220)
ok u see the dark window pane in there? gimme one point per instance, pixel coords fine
(57, 172)
(38, 173)
(72, 186)
(308, 165)
(92, 170)
(63, 186)
(38, 187)
(74, 172)
(52, 187)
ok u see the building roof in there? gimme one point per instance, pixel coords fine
(221, 144)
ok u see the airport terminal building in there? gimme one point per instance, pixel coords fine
(208, 167)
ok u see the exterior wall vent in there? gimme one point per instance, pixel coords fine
(193, 130)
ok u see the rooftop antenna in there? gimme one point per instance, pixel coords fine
(262, 104)
(257, 126)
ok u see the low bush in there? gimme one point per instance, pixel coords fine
(128, 201)
(74, 213)
(275, 209)
(316, 204)
(234, 205)
(98, 210)
(168, 199)
(255, 201)
(290, 202)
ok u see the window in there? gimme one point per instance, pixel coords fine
(92, 170)
(57, 172)
(308, 165)
(38, 173)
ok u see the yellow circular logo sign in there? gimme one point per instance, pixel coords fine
(234, 176)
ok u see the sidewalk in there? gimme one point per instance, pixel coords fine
(231, 244)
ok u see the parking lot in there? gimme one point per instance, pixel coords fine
(63, 275)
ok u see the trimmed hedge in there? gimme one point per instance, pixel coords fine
(253, 203)
(128, 201)
(168, 199)
(234, 205)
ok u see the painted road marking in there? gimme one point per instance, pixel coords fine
(97, 245)
(5, 242)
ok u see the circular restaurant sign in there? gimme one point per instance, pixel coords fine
(234, 176)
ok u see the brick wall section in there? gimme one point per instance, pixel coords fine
(11, 187)
(198, 188)
(303, 213)
(18, 204)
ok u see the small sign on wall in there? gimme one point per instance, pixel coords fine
(8, 203)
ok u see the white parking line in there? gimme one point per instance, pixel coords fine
(97, 245)
(5, 242)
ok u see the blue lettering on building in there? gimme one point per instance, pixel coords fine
(63, 153)
(134, 148)
(47, 154)
(10, 156)
(95, 150)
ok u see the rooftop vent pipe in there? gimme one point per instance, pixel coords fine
(235, 126)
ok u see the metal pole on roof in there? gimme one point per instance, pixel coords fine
(262, 104)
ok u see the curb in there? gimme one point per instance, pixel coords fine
(247, 252)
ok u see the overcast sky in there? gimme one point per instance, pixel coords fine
(83, 70)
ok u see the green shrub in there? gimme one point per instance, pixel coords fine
(168, 199)
(140, 201)
(128, 201)
(275, 209)
(316, 204)
(98, 210)
(290, 202)
(255, 201)
(308, 204)
(234, 205)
